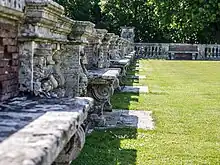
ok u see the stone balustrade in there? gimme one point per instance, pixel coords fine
(56, 79)
(13, 4)
(210, 52)
(185, 51)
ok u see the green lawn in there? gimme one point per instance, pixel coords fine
(185, 100)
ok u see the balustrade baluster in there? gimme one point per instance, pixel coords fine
(218, 56)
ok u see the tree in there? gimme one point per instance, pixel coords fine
(188, 21)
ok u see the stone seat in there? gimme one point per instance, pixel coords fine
(103, 75)
(123, 64)
(102, 84)
(130, 55)
(35, 131)
(185, 51)
(124, 61)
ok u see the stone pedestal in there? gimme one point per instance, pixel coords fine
(102, 83)
(71, 69)
(128, 33)
(106, 38)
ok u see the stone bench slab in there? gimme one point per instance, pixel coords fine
(105, 74)
(128, 118)
(137, 77)
(121, 62)
(34, 132)
(135, 89)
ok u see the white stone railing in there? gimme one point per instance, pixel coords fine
(13, 4)
(161, 50)
(152, 50)
(211, 51)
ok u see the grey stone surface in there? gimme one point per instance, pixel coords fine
(16, 4)
(128, 33)
(35, 131)
(137, 77)
(135, 89)
(121, 62)
(137, 70)
(128, 118)
(107, 73)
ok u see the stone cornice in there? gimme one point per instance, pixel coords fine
(17, 5)
(11, 13)
(81, 30)
(44, 20)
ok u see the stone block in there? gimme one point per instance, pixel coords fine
(128, 118)
(3, 77)
(9, 41)
(15, 62)
(12, 49)
(2, 48)
(1, 55)
(15, 69)
(8, 31)
(135, 89)
(4, 63)
(15, 56)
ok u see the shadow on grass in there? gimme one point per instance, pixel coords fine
(121, 100)
(103, 148)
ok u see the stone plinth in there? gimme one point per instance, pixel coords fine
(128, 33)
(102, 83)
(128, 118)
(74, 66)
(135, 89)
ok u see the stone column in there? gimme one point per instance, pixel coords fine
(92, 50)
(124, 47)
(120, 47)
(128, 33)
(75, 70)
(201, 48)
(126, 44)
(113, 48)
(104, 47)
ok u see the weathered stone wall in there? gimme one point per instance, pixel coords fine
(8, 61)
(10, 18)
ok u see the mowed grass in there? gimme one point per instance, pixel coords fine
(185, 100)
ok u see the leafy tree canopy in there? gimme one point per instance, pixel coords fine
(187, 21)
